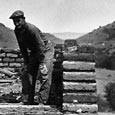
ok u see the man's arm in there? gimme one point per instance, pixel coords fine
(22, 47)
(24, 52)
(40, 47)
(39, 44)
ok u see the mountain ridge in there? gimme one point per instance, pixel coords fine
(102, 40)
(68, 35)
(101, 35)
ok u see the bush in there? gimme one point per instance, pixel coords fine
(104, 60)
(110, 94)
(102, 104)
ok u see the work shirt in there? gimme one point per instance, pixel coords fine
(29, 40)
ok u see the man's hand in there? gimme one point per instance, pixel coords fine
(24, 67)
(43, 69)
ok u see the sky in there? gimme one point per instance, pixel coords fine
(55, 16)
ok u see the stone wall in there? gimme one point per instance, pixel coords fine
(10, 58)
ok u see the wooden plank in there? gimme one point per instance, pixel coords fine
(16, 109)
(69, 113)
(7, 72)
(79, 97)
(87, 57)
(79, 76)
(74, 86)
(91, 108)
(78, 66)
(6, 81)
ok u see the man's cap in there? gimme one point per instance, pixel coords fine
(17, 14)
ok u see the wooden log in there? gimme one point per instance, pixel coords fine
(78, 66)
(71, 113)
(6, 81)
(74, 86)
(79, 97)
(91, 108)
(6, 72)
(15, 109)
(8, 50)
(87, 57)
(79, 76)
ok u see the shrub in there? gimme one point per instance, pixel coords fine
(110, 94)
(104, 60)
(102, 104)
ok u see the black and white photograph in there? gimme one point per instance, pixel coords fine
(57, 57)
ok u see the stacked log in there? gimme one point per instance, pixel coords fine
(17, 109)
(73, 82)
(79, 84)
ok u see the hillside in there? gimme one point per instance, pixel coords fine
(103, 40)
(54, 39)
(100, 37)
(8, 39)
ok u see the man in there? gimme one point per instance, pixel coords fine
(37, 52)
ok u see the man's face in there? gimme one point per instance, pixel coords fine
(19, 22)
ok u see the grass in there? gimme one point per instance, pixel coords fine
(103, 77)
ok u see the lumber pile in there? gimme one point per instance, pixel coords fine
(79, 84)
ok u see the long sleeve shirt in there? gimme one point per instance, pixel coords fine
(29, 39)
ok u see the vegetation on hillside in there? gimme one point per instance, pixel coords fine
(100, 35)
(103, 40)
(7, 37)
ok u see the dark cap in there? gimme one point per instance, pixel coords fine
(17, 14)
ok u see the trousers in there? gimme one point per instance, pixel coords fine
(32, 74)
